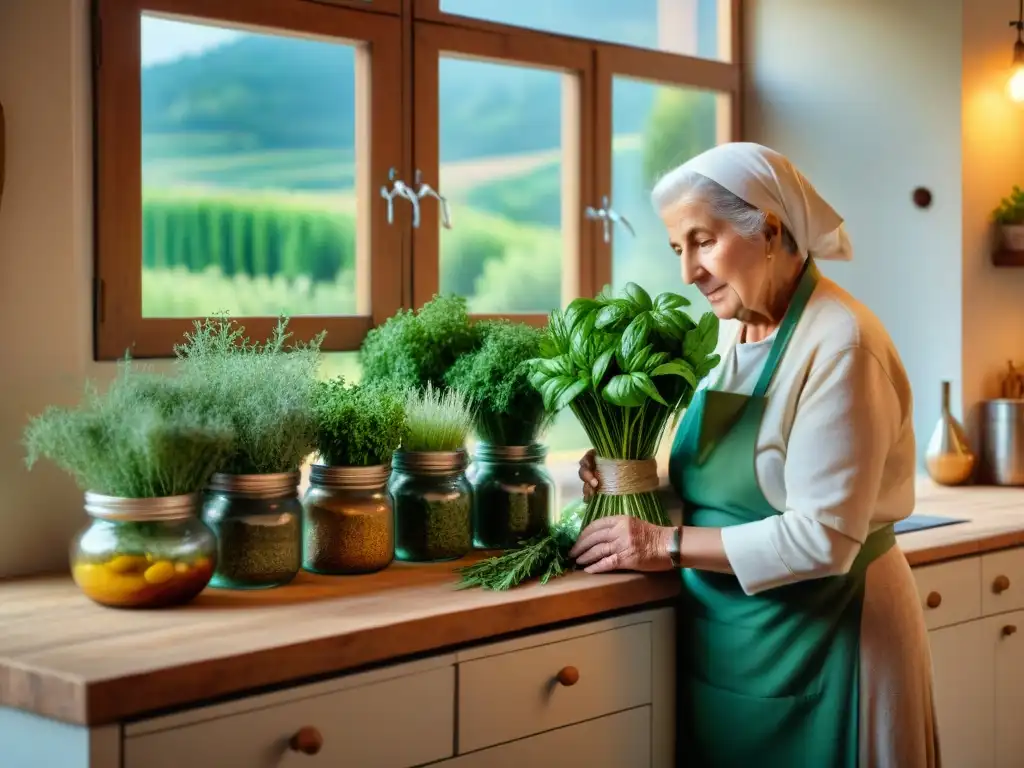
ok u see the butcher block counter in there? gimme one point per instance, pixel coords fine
(133, 682)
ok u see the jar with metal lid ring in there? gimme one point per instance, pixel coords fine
(258, 523)
(348, 520)
(433, 505)
(143, 553)
(512, 494)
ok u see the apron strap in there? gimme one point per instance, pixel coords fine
(805, 287)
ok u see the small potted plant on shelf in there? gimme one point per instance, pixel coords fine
(433, 499)
(142, 452)
(512, 490)
(266, 393)
(1009, 216)
(348, 516)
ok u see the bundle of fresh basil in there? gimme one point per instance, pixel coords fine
(624, 365)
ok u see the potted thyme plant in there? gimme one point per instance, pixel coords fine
(348, 516)
(433, 499)
(266, 393)
(142, 452)
(624, 365)
(1009, 216)
(512, 489)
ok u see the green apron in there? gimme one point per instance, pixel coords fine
(770, 680)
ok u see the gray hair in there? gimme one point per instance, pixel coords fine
(680, 185)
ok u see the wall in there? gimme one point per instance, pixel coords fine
(45, 264)
(870, 102)
(993, 160)
(865, 98)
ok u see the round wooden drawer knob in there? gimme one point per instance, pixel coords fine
(568, 676)
(1008, 630)
(306, 740)
(1000, 584)
(934, 600)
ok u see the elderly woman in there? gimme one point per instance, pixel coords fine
(803, 644)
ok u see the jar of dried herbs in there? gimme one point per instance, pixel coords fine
(348, 521)
(433, 505)
(258, 523)
(143, 552)
(512, 494)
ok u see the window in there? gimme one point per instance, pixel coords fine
(339, 159)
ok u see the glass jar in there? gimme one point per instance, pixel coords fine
(348, 520)
(143, 553)
(258, 522)
(512, 494)
(433, 506)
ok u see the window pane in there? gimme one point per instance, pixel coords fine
(248, 168)
(688, 27)
(501, 168)
(654, 128)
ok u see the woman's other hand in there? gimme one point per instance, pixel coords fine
(588, 474)
(621, 543)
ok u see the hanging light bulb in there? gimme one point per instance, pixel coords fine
(1015, 85)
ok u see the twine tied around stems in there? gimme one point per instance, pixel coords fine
(621, 477)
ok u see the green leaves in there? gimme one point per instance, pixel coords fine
(628, 350)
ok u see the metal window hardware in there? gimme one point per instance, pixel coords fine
(425, 190)
(608, 216)
(400, 189)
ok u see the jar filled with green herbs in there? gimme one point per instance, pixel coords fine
(267, 392)
(433, 499)
(258, 522)
(512, 494)
(348, 517)
(512, 490)
(142, 452)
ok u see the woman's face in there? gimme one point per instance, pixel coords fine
(728, 269)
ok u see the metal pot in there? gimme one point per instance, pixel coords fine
(1002, 441)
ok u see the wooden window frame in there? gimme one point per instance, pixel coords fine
(119, 324)
(405, 38)
(516, 48)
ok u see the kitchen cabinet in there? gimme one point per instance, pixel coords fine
(974, 609)
(602, 690)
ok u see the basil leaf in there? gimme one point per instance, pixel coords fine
(623, 391)
(639, 361)
(600, 367)
(611, 316)
(708, 327)
(570, 393)
(644, 383)
(707, 365)
(678, 368)
(656, 359)
(639, 296)
(669, 300)
(633, 339)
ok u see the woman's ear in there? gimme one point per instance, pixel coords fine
(772, 227)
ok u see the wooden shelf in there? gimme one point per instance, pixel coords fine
(1005, 258)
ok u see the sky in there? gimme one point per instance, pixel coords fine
(164, 40)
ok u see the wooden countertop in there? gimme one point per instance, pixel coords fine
(995, 521)
(63, 657)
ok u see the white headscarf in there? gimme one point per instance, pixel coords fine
(768, 181)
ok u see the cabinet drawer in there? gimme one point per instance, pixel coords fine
(1002, 581)
(614, 741)
(397, 723)
(516, 694)
(950, 592)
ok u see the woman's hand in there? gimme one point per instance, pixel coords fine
(621, 543)
(588, 474)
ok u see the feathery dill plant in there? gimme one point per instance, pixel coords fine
(357, 425)
(414, 348)
(495, 377)
(265, 390)
(146, 436)
(436, 420)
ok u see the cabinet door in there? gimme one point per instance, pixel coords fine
(1006, 634)
(963, 663)
(614, 741)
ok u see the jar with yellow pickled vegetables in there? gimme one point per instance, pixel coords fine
(143, 553)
